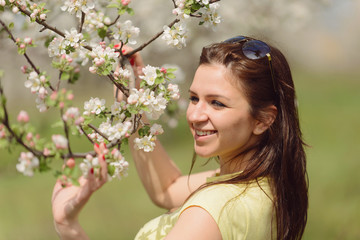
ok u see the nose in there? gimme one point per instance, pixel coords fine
(196, 112)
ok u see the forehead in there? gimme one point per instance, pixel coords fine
(215, 79)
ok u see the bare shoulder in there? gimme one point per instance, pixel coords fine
(195, 223)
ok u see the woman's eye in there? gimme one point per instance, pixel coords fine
(193, 99)
(217, 104)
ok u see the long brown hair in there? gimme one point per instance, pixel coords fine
(279, 155)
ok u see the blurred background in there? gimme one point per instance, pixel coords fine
(321, 40)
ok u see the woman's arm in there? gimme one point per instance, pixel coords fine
(162, 179)
(195, 224)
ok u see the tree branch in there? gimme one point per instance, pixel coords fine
(66, 130)
(14, 40)
(151, 40)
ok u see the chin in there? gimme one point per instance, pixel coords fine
(204, 154)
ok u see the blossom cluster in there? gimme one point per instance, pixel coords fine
(126, 32)
(78, 7)
(176, 35)
(27, 163)
(208, 13)
(104, 59)
(38, 84)
(72, 41)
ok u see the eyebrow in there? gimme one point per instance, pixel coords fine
(211, 95)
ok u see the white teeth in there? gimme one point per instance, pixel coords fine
(204, 133)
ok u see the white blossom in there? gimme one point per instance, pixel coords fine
(174, 91)
(149, 74)
(126, 32)
(78, 6)
(56, 47)
(60, 141)
(88, 163)
(33, 82)
(176, 35)
(71, 113)
(210, 16)
(147, 143)
(156, 129)
(94, 106)
(27, 163)
(121, 168)
(73, 38)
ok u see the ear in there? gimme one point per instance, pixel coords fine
(267, 117)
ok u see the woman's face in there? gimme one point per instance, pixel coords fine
(218, 114)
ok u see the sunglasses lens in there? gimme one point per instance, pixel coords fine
(235, 39)
(255, 49)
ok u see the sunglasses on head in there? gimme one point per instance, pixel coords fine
(254, 49)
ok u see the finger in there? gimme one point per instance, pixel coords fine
(103, 170)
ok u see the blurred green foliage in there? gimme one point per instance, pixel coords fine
(330, 117)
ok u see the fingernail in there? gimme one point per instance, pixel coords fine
(132, 61)
(97, 145)
(92, 170)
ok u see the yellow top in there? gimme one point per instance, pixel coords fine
(240, 212)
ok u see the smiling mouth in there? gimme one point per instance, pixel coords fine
(204, 133)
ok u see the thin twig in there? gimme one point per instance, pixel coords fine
(98, 131)
(82, 21)
(47, 26)
(14, 40)
(66, 130)
(87, 136)
(151, 40)
(116, 19)
(119, 86)
(5, 121)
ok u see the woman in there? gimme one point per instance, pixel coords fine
(243, 111)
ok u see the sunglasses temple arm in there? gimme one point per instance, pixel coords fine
(272, 72)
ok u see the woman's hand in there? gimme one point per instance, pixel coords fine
(68, 201)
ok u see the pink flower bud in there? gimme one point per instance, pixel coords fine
(22, 46)
(43, 16)
(23, 117)
(42, 78)
(23, 69)
(79, 120)
(28, 40)
(17, 40)
(33, 15)
(46, 152)
(53, 96)
(125, 2)
(92, 70)
(29, 136)
(70, 96)
(2, 134)
(70, 163)
(163, 70)
(61, 105)
(15, 9)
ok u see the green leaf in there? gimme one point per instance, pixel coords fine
(102, 32)
(58, 124)
(130, 11)
(112, 5)
(11, 25)
(144, 131)
(65, 76)
(171, 75)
